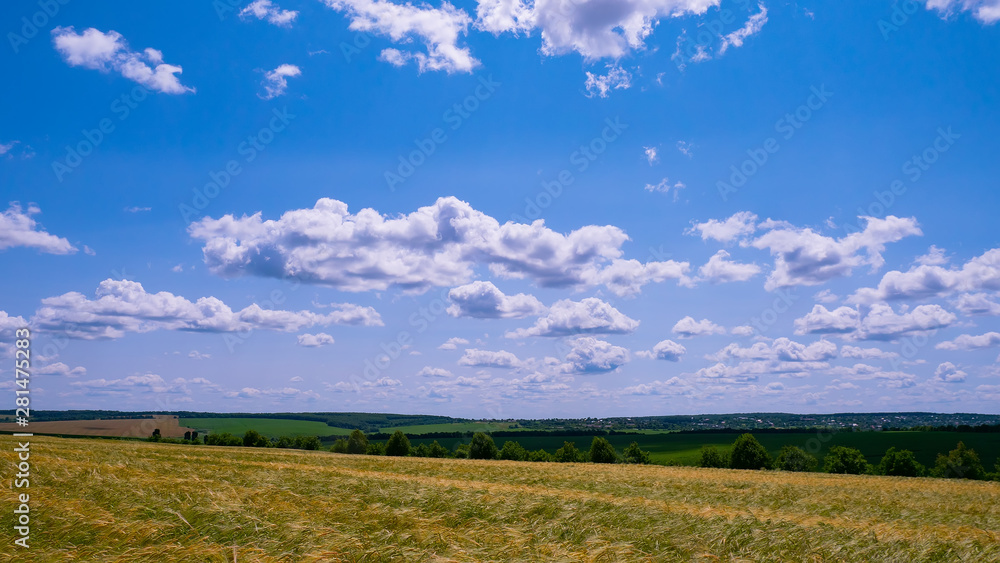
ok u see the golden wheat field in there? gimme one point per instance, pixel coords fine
(106, 500)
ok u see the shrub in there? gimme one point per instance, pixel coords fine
(634, 454)
(436, 450)
(601, 451)
(712, 457)
(340, 446)
(357, 442)
(845, 460)
(194, 436)
(748, 453)
(513, 451)
(568, 453)
(421, 450)
(187, 435)
(960, 463)
(539, 455)
(308, 443)
(398, 445)
(900, 463)
(792, 458)
(223, 439)
(253, 439)
(461, 451)
(375, 449)
(483, 447)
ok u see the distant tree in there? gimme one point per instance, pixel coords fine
(568, 453)
(187, 435)
(634, 454)
(792, 458)
(223, 439)
(421, 450)
(539, 455)
(375, 448)
(712, 457)
(155, 436)
(436, 450)
(900, 463)
(845, 460)
(310, 443)
(253, 439)
(483, 447)
(513, 451)
(601, 451)
(398, 445)
(960, 463)
(288, 442)
(748, 453)
(461, 451)
(357, 442)
(194, 435)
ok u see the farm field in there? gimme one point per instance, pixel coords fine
(103, 500)
(450, 427)
(120, 427)
(271, 427)
(685, 449)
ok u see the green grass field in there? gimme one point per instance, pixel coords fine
(266, 426)
(449, 427)
(113, 501)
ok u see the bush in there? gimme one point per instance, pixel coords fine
(483, 447)
(253, 439)
(539, 455)
(748, 453)
(792, 458)
(568, 453)
(308, 443)
(340, 446)
(223, 439)
(436, 450)
(461, 451)
(357, 442)
(375, 449)
(421, 450)
(601, 451)
(960, 463)
(398, 445)
(900, 463)
(634, 454)
(712, 457)
(513, 451)
(844, 460)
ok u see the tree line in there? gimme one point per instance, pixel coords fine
(748, 453)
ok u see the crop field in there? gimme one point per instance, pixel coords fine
(266, 426)
(450, 427)
(103, 500)
(685, 449)
(118, 427)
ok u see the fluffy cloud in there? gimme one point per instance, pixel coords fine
(599, 85)
(428, 371)
(438, 245)
(109, 51)
(866, 353)
(949, 373)
(276, 81)
(881, 322)
(439, 29)
(804, 257)
(928, 280)
(651, 155)
(665, 186)
(750, 371)
(453, 343)
(673, 386)
(977, 304)
(482, 300)
(124, 306)
(498, 16)
(689, 328)
(664, 350)
(590, 355)
(738, 226)
(720, 269)
(865, 372)
(489, 358)
(18, 228)
(986, 11)
(266, 10)
(751, 28)
(315, 340)
(589, 316)
(60, 369)
(970, 342)
(782, 350)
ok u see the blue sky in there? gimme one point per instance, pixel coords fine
(504, 208)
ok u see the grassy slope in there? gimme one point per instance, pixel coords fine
(266, 426)
(96, 500)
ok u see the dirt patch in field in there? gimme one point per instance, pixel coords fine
(125, 427)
